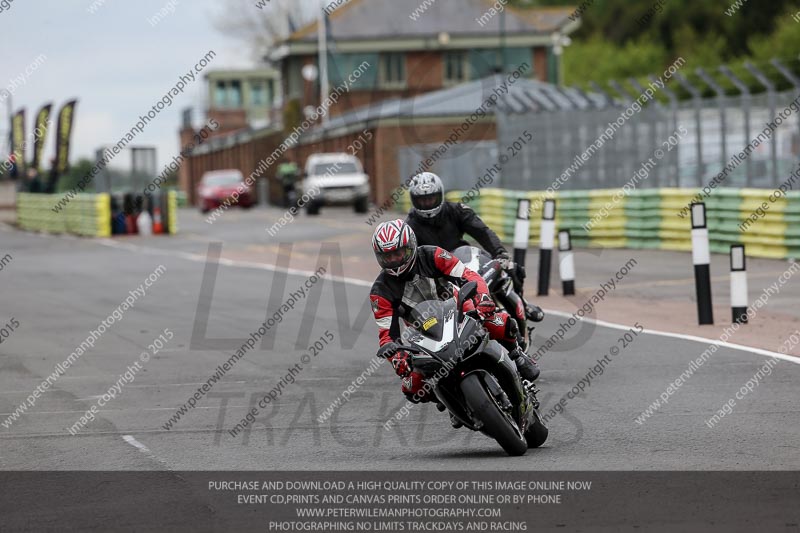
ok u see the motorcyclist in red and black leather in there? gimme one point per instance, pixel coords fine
(413, 274)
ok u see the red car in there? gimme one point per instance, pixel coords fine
(218, 187)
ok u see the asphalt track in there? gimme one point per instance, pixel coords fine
(60, 288)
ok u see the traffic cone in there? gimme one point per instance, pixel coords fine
(158, 227)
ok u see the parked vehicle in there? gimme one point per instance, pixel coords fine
(334, 179)
(218, 187)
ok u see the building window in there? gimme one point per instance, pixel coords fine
(393, 69)
(235, 94)
(220, 94)
(258, 93)
(455, 67)
(228, 94)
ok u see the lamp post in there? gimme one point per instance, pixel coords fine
(503, 61)
(9, 114)
(322, 36)
(560, 41)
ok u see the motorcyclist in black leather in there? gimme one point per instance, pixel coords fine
(437, 222)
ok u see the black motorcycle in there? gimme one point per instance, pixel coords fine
(501, 287)
(472, 375)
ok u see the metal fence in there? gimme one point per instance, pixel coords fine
(561, 137)
(716, 131)
(463, 164)
(548, 132)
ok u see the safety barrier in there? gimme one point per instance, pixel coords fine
(648, 218)
(172, 212)
(86, 214)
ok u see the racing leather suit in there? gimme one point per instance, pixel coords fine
(393, 297)
(448, 227)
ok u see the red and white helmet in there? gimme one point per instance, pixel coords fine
(395, 246)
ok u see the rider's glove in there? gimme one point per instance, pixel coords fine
(504, 260)
(519, 271)
(401, 363)
(485, 306)
(387, 350)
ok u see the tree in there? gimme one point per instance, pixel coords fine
(620, 38)
(74, 175)
(599, 60)
(262, 26)
(784, 42)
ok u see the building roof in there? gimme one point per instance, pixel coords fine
(388, 25)
(371, 19)
(458, 102)
(261, 72)
(523, 96)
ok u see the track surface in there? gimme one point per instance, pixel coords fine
(61, 288)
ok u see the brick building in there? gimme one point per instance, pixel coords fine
(426, 79)
(412, 52)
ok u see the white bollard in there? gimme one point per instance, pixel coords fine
(522, 230)
(547, 235)
(738, 284)
(566, 265)
(701, 257)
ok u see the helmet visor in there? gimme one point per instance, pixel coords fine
(426, 202)
(395, 258)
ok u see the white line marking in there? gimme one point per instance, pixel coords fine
(362, 283)
(133, 442)
(120, 410)
(202, 258)
(162, 385)
(145, 450)
(612, 325)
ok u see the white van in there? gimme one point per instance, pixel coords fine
(334, 179)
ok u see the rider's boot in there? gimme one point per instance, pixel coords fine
(514, 343)
(526, 367)
(533, 313)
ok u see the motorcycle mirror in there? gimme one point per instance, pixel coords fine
(467, 292)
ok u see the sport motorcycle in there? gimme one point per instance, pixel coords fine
(472, 375)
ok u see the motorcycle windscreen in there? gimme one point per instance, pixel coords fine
(473, 258)
(430, 316)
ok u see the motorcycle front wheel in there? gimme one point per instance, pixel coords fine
(497, 424)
